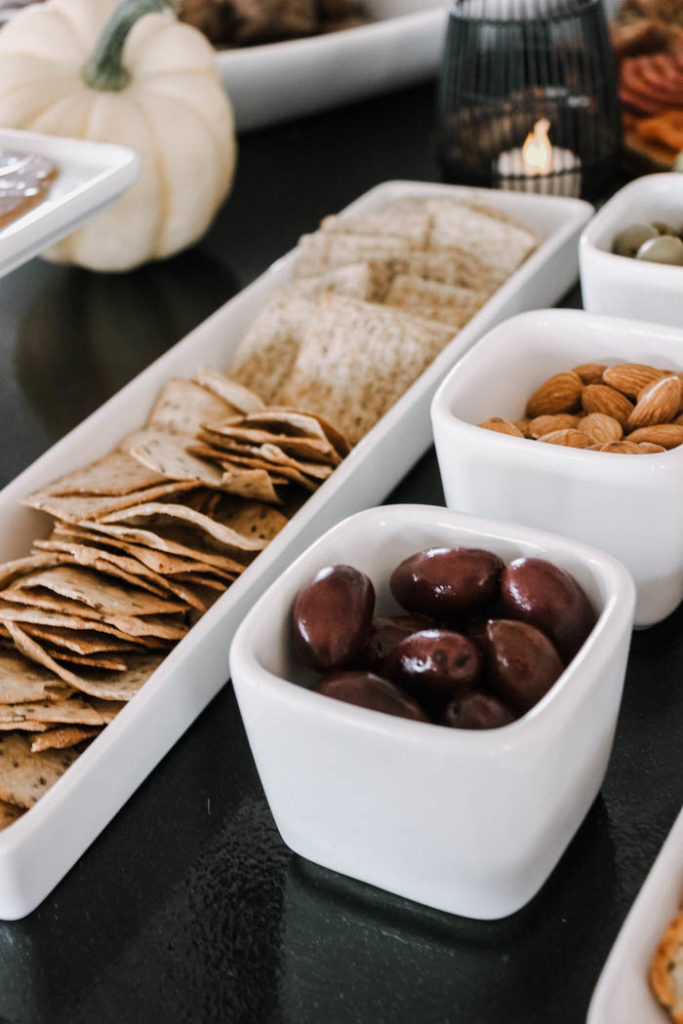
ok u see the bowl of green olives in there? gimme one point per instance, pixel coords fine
(430, 699)
(631, 252)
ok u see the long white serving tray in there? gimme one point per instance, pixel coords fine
(623, 992)
(71, 814)
(401, 45)
(91, 176)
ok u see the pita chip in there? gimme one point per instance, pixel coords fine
(25, 777)
(62, 737)
(183, 406)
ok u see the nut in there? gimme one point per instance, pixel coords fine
(648, 448)
(622, 448)
(631, 378)
(590, 373)
(600, 427)
(668, 435)
(601, 398)
(541, 425)
(658, 402)
(569, 438)
(501, 426)
(560, 393)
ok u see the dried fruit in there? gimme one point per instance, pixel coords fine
(600, 427)
(542, 425)
(560, 393)
(631, 378)
(501, 426)
(601, 398)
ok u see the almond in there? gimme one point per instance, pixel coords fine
(621, 448)
(630, 378)
(601, 398)
(501, 426)
(679, 419)
(600, 427)
(569, 438)
(560, 393)
(541, 425)
(658, 402)
(590, 373)
(648, 448)
(669, 435)
(523, 425)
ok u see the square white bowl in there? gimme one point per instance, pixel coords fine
(471, 822)
(630, 506)
(618, 285)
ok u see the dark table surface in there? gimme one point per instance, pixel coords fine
(188, 907)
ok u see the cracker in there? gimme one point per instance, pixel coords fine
(325, 250)
(78, 641)
(183, 406)
(236, 395)
(444, 303)
(11, 571)
(61, 738)
(501, 244)
(77, 508)
(126, 627)
(114, 686)
(167, 455)
(367, 280)
(141, 539)
(89, 588)
(23, 681)
(214, 534)
(73, 711)
(104, 661)
(115, 473)
(412, 226)
(25, 777)
(251, 518)
(267, 351)
(9, 814)
(357, 359)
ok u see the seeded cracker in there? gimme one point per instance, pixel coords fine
(61, 738)
(183, 406)
(24, 776)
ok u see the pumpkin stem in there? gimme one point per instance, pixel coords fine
(105, 69)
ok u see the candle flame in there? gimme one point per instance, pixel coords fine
(537, 150)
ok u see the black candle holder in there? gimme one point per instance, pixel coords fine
(517, 74)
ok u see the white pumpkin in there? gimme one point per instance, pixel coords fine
(91, 70)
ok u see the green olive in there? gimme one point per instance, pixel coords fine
(663, 249)
(628, 241)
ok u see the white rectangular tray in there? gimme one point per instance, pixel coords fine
(623, 992)
(67, 819)
(275, 81)
(91, 175)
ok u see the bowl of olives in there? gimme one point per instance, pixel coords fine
(631, 252)
(430, 699)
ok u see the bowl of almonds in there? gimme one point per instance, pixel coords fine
(573, 422)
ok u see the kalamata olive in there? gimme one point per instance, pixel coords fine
(447, 582)
(385, 633)
(477, 711)
(331, 617)
(521, 662)
(545, 596)
(434, 665)
(370, 691)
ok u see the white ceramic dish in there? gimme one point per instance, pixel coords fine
(621, 286)
(73, 812)
(276, 81)
(623, 993)
(628, 505)
(471, 822)
(91, 175)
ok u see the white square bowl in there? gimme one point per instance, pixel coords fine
(628, 505)
(620, 286)
(467, 822)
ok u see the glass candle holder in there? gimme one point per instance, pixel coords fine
(528, 97)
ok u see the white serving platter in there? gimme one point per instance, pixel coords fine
(71, 814)
(91, 176)
(276, 81)
(623, 993)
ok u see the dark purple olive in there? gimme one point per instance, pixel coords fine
(370, 691)
(477, 711)
(447, 582)
(521, 662)
(385, 633)
(434, 665)
(545, 596)
(331, 617)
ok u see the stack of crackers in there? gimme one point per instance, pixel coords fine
(373, 300)
(146, 538)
